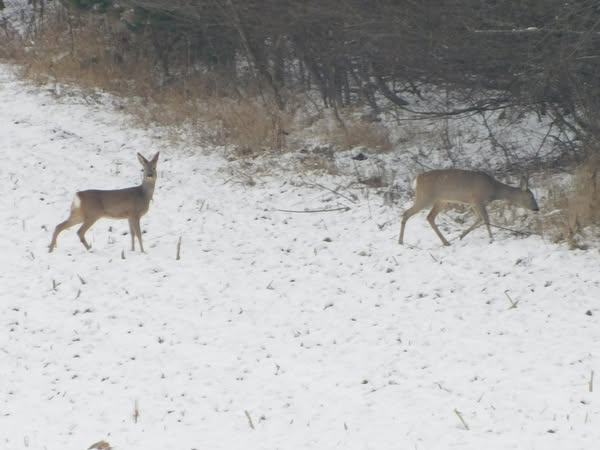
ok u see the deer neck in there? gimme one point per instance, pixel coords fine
(504, 191)
(147, 187)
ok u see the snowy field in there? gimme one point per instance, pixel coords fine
(275, 330)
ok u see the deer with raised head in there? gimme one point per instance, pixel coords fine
(129, 203)
(439, 188)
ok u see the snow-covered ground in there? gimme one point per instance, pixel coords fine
(275, 330)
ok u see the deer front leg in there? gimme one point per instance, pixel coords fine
(134, 222)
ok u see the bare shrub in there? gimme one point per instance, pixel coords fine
(247, 125)
(583, 202)
(360, 134)
(575, 208)
(556, 223)
(86, 54)
(11, 42)
(88, 51)
(250, 126)
(317, 159)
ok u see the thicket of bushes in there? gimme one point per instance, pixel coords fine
(223, 61)
(489, 54)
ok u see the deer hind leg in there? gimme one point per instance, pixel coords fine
(486, 219)
(136, 230)
(431, 219)
(407, 215)
(87, 223)
(73, 219)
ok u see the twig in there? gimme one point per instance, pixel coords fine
(249, 181)
(443, 388)
(522, 233)
(513, 304)
(136, 412)
(341, 208)
(459, 415)
(543, 141)
(591, 384)
(249, 419)
(415, 247)
(178, 256)
(333, 191)
(517, 232)
(495, 142)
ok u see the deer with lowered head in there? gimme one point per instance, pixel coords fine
(439, 188)
(130, 203)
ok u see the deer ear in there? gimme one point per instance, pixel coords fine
(141, 159)
(524, 184)
(155, 157)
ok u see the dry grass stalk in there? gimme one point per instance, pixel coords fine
(88, 52)
(136, 412)
(91, 52)
(250, 423)
(178, 255)
(357, 134)
(460, 417)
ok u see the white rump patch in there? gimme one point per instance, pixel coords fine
(76, 202)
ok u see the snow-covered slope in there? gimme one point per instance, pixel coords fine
(275, 330)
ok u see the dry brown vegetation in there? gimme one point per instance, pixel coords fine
(237, 109)
(90, 52)
(575, 215)
(359, 133)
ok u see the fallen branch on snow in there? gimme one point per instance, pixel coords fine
(341, 208)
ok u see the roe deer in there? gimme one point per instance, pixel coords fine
(129, 203)
(476, 189)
